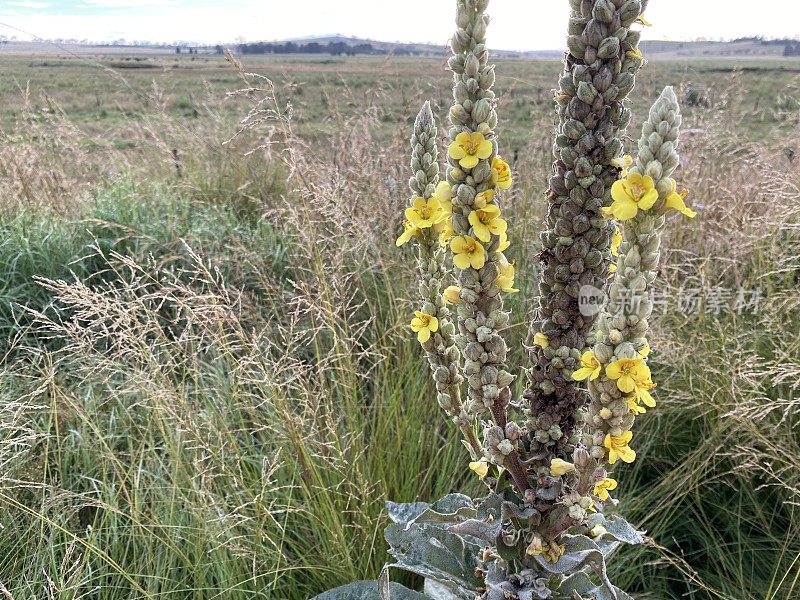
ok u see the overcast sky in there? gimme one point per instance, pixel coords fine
(517, 24)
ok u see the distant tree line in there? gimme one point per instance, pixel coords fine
(332, 48)
(792, 49)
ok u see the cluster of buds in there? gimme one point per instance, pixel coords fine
(599, 74)
(477, 174)
(427, 223)
(620, 381)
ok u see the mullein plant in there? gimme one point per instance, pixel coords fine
(547, 525)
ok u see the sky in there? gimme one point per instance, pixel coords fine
(516, 24)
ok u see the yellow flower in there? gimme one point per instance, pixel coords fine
(425, 213)
(630, 195)
(602, 487)
(624, 163)
(504, 243)
(635, 53)
(484, 198)
(634, 405)
(630, 374)
(645, 351)
(424, 325)
(555, 552)
(505, 277)
(501, 173)
(618, 449)
(445, 231)
(616, 241)
(486, 221)
(467, 252)
(444, 194)
(536, 547)
(643, 393)
(675, 201)
(612, 269)
(552, 552)
(452, 295)
(469, 149)
(642, 21)
(409, 231)
(480, 467)
(560, 467)
(541, 340)
(597, 531)
(590, 367)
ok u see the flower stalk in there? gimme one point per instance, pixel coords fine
(425, 222)
(477, 175)
(599, 73)
(623, 386)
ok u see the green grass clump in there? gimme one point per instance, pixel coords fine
(209, 387)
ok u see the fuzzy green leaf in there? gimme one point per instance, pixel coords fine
(451, 508)
(617, 528)
(483, 530)
(580, 585)
(580, 551)
(368, 590)
(405, 512)
(432, 551)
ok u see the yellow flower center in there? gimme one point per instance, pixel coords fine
(425, 319)
(471, 146)
(469, 247)
(618, 442)
(485, 217)
(638, 191)
(426, 211)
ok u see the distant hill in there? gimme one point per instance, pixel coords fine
(739, 49)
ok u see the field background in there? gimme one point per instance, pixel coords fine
(208, 386)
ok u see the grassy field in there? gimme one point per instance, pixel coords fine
(208, 388)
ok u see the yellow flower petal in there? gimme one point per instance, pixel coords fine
(461, 261)
(675, 201)
(625, 210)
(560, 467)
(616, 241)
(541, 340)
(480, 467)
(455, 151)
(470, 161)
(602, 487)
(444, 191)
(477, 261)
(501, 173)
(485, 150)
(433, 324)
(648, 200)
(505, 244)
(627, 454)
(452, 295)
